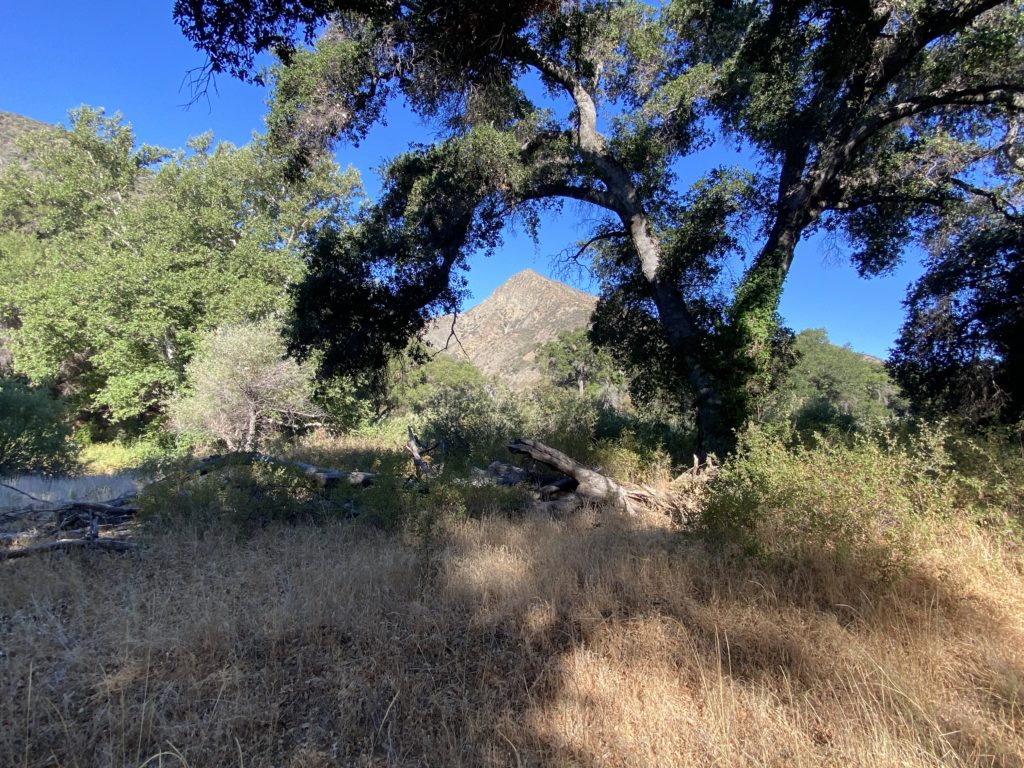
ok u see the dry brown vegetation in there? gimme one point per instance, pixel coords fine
(587, 641)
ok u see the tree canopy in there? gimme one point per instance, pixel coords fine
(877, 121)
(960, 350)
(116, 259)
(833, 386)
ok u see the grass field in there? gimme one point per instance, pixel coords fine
(587, 641)
(55, 489)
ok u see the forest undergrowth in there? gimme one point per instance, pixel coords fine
(486, 634)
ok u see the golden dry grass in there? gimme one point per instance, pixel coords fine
(591, 641)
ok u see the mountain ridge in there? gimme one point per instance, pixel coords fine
(501, 333)
(13, 125)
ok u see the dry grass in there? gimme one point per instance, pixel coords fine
(47, 488)
(588, 642)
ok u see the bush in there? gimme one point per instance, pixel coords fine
(242, 390)
(146, 453)
(472, 421)
(865, 501)
(991, 470)
(564, 419)
(34, 432)
(243, 495)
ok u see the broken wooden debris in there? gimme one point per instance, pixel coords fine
(65, 545)
(590, 483)
(583, 483)
(324, 477)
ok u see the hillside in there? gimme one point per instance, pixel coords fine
(500, 334)
(11, 127)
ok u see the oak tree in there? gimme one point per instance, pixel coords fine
(869, 118)
(116, 258)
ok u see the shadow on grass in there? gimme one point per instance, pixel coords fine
(590, 641)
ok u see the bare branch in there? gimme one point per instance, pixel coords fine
(999, 205)
(29, 495)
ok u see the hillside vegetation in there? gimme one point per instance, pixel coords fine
(252, 514)
(500, 335)
(12, 127)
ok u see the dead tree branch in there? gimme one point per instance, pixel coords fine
(66, 545)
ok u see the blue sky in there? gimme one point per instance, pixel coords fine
(130, 57)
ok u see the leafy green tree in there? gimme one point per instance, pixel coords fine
(241, 389)
(571, 360)
(417, 384)
(116, 258)
(833, 386)
(869, 119)
(35, 435)
(960, 351)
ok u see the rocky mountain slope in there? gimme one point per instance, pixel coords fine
(11, 127)
(500, 334)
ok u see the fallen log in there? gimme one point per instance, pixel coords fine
(92, 513)
(67, 545)
(324, 477)
(504, 473)
(591, 484)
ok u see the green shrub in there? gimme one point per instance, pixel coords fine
(242, 390)
(562, 418)
(628, 457)
(35, 435)
(146, 453)
(473, 422)
(991, 473)
(241, 495)
(865, 501)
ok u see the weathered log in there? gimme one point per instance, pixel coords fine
(597, 487)
(415, 447)
(323, 477)
(565, 505)
(92, 513)
(592, 485)
(508, 474)
(560, 485)
(504, 473)
(66, 545)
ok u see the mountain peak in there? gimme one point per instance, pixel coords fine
(500, 334)
(531, 280)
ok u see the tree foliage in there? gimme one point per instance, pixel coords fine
(117, 258)
(241, 389)
(35, 435)
(960, 350)
(832, 386)
(571, 360)
(874, 120)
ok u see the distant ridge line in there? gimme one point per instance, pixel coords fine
(501, 333)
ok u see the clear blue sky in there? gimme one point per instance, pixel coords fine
(130, 57)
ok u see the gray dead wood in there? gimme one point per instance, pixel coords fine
(324, 477)
(504, 473)
(67, 545)
(415, 447)
(591, 484)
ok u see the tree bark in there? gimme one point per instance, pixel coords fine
(250, 433)
(592, 485)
